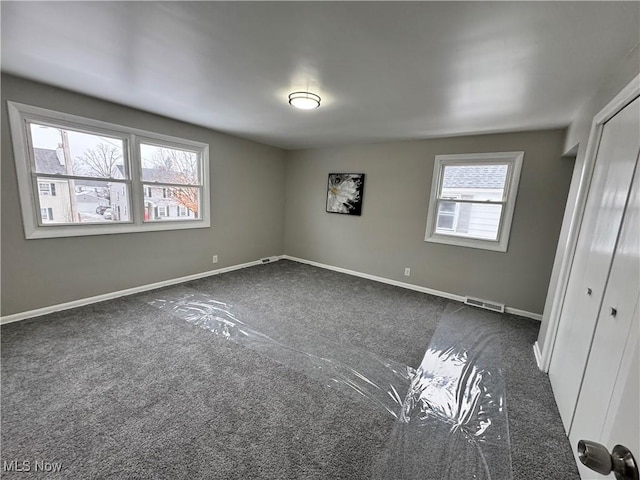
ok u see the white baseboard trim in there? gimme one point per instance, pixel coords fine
(129, 291)
(410, 286)
(152, 286)
(538, 355)
(375, 278)
(523, 313)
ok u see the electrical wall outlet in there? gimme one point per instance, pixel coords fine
(407, 272)
(215, 259)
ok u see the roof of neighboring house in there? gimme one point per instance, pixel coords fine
(154, 175)
(157, 175)
(87, 197)
(476, 176)
(91, 183)
(47, 161)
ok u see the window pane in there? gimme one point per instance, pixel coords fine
(474, 220)
(67, 152)
(447, 207)
(169, 165)
(447, 214)
(475, 182)
(83, 201)
(163, 202)
(445, 222)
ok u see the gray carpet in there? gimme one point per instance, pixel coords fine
(122, 389)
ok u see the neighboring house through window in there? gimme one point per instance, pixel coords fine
(473, 199)
(88, 177)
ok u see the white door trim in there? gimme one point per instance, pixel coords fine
(625, 97)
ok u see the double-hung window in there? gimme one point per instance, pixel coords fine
(79, 176)
(46, 214)
(45, 189)
(182, 211)
(473, 199)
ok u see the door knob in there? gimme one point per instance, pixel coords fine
(613, 311)
(596, 457)
(589, 291)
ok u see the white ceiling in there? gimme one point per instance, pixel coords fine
(384, 70)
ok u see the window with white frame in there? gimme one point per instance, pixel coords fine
(46, 189)
(473, 199)
(69, 164)
(182, 211)
(46, 214)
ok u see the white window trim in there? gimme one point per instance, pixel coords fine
(514, 159)
(20, 113)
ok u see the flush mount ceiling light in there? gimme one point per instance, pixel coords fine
(304, 100)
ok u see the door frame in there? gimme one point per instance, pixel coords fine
(620, 101)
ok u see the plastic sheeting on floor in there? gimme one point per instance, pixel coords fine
(451, 412)
(381, 382)
(454, 421)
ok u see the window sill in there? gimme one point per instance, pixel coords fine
(82, 231)
(493, 245)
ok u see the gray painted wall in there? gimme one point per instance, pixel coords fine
(576, 141)
(250, 218)
(389, 235)
(619, 77)
(247, 195)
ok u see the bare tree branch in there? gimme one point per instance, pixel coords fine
(186, 196)
(180, 167)
(179, 164)
(101, 161)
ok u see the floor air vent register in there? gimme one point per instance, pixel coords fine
(478, 302)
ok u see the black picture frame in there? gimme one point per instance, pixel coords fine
(345, 193)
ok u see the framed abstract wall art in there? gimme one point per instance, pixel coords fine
(344, 193)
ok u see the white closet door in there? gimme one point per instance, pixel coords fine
(607, 409)
(622, 423)
(614, 167)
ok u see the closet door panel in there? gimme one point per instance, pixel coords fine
(615, 338)
(614, 167)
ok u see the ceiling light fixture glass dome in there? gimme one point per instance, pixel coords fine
(304, 100)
